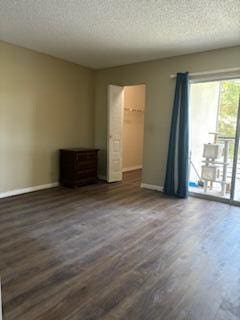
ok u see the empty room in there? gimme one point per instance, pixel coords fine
(119, 160)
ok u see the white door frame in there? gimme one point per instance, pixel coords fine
(114, 132)
(108, 122)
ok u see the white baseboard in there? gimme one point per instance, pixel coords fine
(29, 189)
(152, 187)
(131, 168)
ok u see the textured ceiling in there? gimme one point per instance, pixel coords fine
(103, 33)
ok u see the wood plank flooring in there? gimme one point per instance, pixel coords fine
(118, 252)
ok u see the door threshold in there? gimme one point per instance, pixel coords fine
(214, 198)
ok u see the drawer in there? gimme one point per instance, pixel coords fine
(86, 173)
(87, 164)
(84, 156)
(84, 181)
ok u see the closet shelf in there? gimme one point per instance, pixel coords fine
(133, 110)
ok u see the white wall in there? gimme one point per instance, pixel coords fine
(133, 127)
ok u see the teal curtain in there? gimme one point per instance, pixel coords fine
(176, 179)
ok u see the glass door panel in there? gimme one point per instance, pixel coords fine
(213, 121)
(236, 192)
(236, 167)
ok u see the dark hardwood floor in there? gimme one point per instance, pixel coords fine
(111, 252)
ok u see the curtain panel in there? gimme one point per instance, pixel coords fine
(176, 179)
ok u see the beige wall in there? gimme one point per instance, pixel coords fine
(159, 98)
(45, 104)
(133, 126)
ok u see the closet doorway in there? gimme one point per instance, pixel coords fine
(126, 105)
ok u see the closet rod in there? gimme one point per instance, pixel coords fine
(133, 110)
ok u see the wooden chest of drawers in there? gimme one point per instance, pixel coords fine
(78, 166)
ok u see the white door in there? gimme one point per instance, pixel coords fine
(114, 138)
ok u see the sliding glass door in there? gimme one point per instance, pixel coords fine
(214, 136)
(236, 168)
